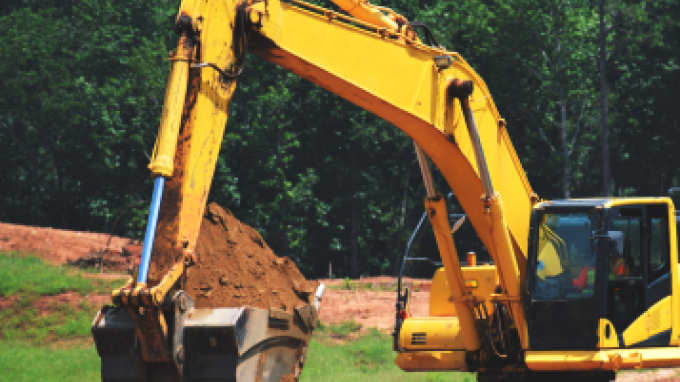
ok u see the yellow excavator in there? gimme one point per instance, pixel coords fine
(576, 288)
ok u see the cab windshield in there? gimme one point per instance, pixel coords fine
(565, 264)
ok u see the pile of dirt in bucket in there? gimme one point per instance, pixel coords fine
(235, 267)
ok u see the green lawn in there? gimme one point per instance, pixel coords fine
(31, 276)
(27, 362)
(46, 347)
(369, 358)
(25, 278)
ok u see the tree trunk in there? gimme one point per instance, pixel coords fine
(353, 230)
(400, 224)
(283, 205)
(603, 101)
(61, 193)
(563, 114)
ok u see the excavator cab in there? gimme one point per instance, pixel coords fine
(598, 297)
(599, 274)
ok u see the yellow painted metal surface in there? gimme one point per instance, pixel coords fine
(655, 320)
(484, 276)
(367, 12)
(162, 161)
(463, 302)
(399, 83)
(618, 202)
(373, 68)
(431, 360)
(204, 117)
(548, 246)
(431, 333)
(610, 359)
(508, 270)
(607, 335)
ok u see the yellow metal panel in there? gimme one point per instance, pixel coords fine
(431, 333)
(439, 218)
(655, 320)
(203, 121)
(615, 359)
(440, 296)
(364, 11)
(549, 260)
(618, 202)
(164, 151)
(431, 361)
(607, 341)
(675, 277)
(441, 303)
(400, 83)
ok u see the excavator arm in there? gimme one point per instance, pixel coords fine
(373, 59)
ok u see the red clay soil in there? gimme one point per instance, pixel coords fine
(48, 304)
(235, 267)
(55, 245)
(6, 302)
(369, 308)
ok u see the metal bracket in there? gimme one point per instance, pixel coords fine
(152, 331)
(503, 298)
(183, 306)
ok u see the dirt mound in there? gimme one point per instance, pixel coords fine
(235, 267)
(55, 245)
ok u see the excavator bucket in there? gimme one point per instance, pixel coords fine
(243, 344)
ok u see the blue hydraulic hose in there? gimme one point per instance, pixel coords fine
(150, 229)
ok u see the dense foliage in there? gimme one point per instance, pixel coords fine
(324, 181)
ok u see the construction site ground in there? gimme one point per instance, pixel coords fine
(368, 301)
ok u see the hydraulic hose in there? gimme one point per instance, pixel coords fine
(151, 224)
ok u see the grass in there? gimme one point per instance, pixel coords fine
(52, 345)
(367, 358)
(22, 321)
(343, 331)
(55, 345)
(27, 362)
(348, 284)
(24, 278)
(30, 275)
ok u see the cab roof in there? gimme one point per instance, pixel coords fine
(601, 202)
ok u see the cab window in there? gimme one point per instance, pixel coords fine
(659, 262)
(565, 266)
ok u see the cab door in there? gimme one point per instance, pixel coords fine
(564, 280)
(639, 279)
